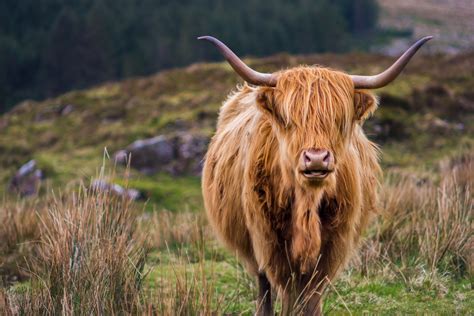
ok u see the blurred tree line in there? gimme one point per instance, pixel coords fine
(50, 46)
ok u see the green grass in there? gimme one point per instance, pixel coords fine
(377, 295)
(381, 295)
(167, 192)
(232, 290)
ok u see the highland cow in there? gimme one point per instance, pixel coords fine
(290, 180)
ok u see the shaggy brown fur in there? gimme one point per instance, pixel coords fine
(282, 227)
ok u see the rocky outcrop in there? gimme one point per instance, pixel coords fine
(190, 151)
(148, 155)
(178, 155)
(27, 180)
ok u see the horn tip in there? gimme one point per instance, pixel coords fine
(425, 39)
(205, 37)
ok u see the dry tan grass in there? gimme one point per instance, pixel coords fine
(425, 225)
(89, 261)
(90, 248)
(19, 235)
(167, 229)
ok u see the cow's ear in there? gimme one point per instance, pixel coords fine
(365, 104)
(267, 104)
(266, 101)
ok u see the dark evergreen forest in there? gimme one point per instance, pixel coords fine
(50, 46)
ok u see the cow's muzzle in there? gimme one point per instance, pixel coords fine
(316, 164)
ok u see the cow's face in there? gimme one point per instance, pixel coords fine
(314, 112)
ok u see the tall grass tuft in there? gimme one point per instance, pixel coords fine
(19, 233)
(18, 223)
(89, 261)
(425, 225)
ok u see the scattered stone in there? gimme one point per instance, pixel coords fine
(149, 155)
(438, 125)
(121, 157)
(178, 155)
(441, 124)
(104, 186)
(27, 180)
(191, 150)
(66, 109)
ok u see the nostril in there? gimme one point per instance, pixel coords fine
(327, 156)
(306, 157)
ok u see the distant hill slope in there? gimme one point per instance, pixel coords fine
(451, 21)
(427, 113)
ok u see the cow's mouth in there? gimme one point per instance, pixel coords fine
(316, 174)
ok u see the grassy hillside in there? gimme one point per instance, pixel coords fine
(425, 115)
(416, 258)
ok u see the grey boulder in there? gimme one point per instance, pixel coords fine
(27, 180)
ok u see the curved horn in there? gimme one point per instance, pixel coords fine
(244, 71)
(384, 78)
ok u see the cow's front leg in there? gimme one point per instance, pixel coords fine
(264, 300)
(312, 305)
(302, 296)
